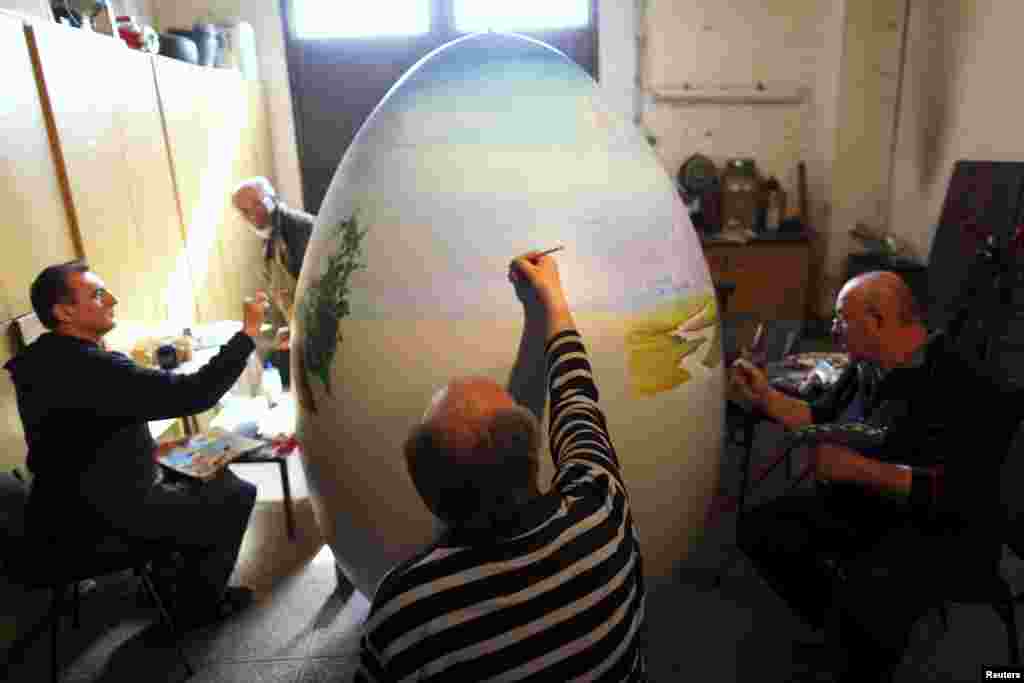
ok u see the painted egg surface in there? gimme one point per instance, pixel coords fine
(492, 146)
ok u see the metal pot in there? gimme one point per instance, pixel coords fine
(180, 47)
(208, 39)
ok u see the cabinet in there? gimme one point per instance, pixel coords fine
(97, 162)
(36, 226)
(107, 124)
(217, 136)
(771, 278)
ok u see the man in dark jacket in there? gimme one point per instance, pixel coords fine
(85, 412)
(286, 231)
(890, 514)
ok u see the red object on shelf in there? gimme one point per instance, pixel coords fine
(287, 446)
(130, 33)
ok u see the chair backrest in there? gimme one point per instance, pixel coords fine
(13, 499)
(1010, 476)
(984, 198)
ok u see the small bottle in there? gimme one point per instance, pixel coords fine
(773, 202)
(189, 343)
(272, 386)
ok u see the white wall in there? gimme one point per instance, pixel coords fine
(711, 42)
(265, 17)
(961, 100)
(866, 101)
(27, 8)
(617, 54)
(141, 9)
(779, 42)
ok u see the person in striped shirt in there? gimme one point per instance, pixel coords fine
(521, 585)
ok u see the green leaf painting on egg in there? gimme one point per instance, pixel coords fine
(326, 300)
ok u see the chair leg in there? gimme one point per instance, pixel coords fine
(1007, 613)
(147, 582)
(286, 486)
(944, 613)
(76, 595)
(55, 610)
(748, 447)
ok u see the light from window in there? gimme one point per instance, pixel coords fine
(520, 15)
(318, 19)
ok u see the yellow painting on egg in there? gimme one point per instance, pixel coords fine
(659, 341)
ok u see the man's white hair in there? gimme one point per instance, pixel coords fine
(260, 182)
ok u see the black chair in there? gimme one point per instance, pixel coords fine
(992, 590)
(61, 569)
(778, 339)
(987, 588)
(741, 427)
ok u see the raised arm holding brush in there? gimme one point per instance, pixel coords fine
(505, 558)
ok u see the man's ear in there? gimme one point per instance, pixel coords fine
(61, 313)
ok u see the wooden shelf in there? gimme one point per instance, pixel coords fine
(731, 94)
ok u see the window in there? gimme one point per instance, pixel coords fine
(520, 15)
(347, 19)
(344, 56)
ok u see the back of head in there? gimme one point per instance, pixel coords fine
(887, 294)
(51, 287)
(469, 469)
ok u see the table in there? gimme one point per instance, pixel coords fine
(275, 419)
(267, 455)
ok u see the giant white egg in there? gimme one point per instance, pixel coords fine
(492, 146)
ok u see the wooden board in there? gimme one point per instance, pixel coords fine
(210, 126)
(108, 125)
(34, 218)
(771, 281)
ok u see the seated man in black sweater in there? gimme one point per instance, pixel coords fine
(910, 515)
(85, 412)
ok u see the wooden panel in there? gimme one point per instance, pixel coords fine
(34, 215)
(771, 281)
(108, 125)
(207, 113)
(258, 161)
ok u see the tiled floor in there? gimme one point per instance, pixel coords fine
(303, 630)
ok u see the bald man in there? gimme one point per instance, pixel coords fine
(927, 498)
(286, 232)
(522, 584)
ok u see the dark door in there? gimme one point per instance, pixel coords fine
(337, 82)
